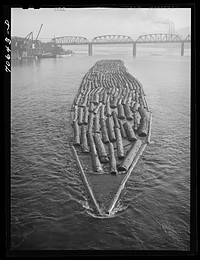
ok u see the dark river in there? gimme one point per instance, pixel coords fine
(50, 207)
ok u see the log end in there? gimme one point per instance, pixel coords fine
(121, 117)
(121, 168)
(104, 159)
(113, 171)
(129, 118)
(142, 134)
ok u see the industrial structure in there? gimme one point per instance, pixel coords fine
(28, 47)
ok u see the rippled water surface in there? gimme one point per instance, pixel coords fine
(50, 207)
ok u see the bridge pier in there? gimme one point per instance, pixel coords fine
(134, 49)
(182, 49)
(90, 49)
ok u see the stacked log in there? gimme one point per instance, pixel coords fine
(129, 132)
(144, 122)
(84, 140)
(111, 132)
(128, 112)
(100, 148)
(80, 116)
(104, 131)
(119, 143)
(86, 115)
(112, 160)
(115, 119)
(109, 112)
(120, 110)
(95, 159)
(126, 163)
(76, 134)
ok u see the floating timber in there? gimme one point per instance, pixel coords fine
(111, 124)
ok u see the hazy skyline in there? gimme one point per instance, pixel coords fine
(91, 22)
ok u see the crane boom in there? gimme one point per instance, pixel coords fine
(28, 36)
(39, 31)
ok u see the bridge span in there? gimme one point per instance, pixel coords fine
(122, 39)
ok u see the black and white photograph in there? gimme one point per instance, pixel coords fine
(100, 129)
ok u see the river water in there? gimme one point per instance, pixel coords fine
(50, 207)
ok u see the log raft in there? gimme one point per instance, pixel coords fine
(111, 119)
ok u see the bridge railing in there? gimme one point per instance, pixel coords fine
(112, 39)
(188, 38)
(70, 40)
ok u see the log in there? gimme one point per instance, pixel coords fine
(115, 119)
(120, 110)
(107, 109)
(100, 97)
(135, 127)
(123, 133)
(96, 98)
(113, 89)
(133, 95)
(128, 113)
(143, 129)
(135, 106)
(95, 111)
(75, 113)
(143, 112)
(149, 133)
(84, 140)
(129, 100)
(80, 116)
(146, 105)
(104, 131)
(102, 110)
(120, 100)
(129, 132)
(95, 159)
(96, 127)
(136, 96)
(126, 163)
(100, 148)
(91, 107)
(111, 132)
(78, 99)
(124, 100)
(119, 143)
(86, 115)
(85, 99)
(76, 134)
(113, 103)
(104, 98)
(112, 160)
(90, 122)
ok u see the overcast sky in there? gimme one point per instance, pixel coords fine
(93, 22)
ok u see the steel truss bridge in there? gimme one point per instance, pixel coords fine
(122, 39)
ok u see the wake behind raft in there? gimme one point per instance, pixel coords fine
(111, 122)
